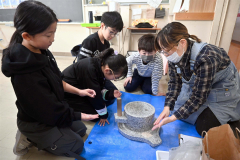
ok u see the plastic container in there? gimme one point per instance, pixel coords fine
(162, 155)
(97, 19)
(90, 16)
(90, 24)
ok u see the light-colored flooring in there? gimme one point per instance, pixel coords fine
(8, 114)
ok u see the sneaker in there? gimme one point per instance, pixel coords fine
(21, 145)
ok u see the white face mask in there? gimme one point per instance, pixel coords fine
(175, 58)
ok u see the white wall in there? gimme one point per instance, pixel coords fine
(236, 31)
(69, 35)
(5, 34)
(66, 37)
(202, 29)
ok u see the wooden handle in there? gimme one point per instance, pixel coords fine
(119, 106)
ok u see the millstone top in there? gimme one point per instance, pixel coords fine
(139, 109)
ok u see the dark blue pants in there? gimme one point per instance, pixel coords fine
(144, 82)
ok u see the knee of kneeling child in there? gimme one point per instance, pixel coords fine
(129, 88)
(78, 147)
(83, 131)
(147, 90)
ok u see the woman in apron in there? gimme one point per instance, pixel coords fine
(204, 86)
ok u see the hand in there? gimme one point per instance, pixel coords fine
(102, 122)
(88, 117)
(129, 79)
(165, 113)
(87, 92)
(161, 94)
(117, 93)
(165, 121)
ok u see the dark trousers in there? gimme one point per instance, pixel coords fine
(144, 82)
(109, 85)
(207, 120)
(59, 141)
(82, 104)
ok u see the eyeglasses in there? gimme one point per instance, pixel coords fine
(111, 32)
(166, 52)
(115, 79)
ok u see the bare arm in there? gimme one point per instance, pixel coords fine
(70, 89)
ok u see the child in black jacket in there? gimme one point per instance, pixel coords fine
(111, 24)
(92, 73)
(43, 118)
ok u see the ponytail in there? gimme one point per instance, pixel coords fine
(104, 55)
(16, 38)
(116, 62)
(195, 38)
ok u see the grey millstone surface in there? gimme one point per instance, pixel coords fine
(136, 123)
(120, 119)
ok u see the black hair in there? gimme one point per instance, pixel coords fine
(146, 42)
(117, 63)
(171, 34)
(32, 17)
(113, 20)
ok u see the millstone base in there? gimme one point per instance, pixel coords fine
(150, 137)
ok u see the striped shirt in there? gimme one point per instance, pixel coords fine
(153, 69)
(210, 60)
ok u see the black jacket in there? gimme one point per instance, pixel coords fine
(37, 83)
(87, 73)
(92, 45)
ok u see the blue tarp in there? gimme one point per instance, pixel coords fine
(106, 143)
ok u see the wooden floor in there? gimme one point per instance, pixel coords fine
(234, 53)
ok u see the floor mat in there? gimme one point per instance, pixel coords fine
(106, 143)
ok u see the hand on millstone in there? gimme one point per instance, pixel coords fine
(163, 118)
